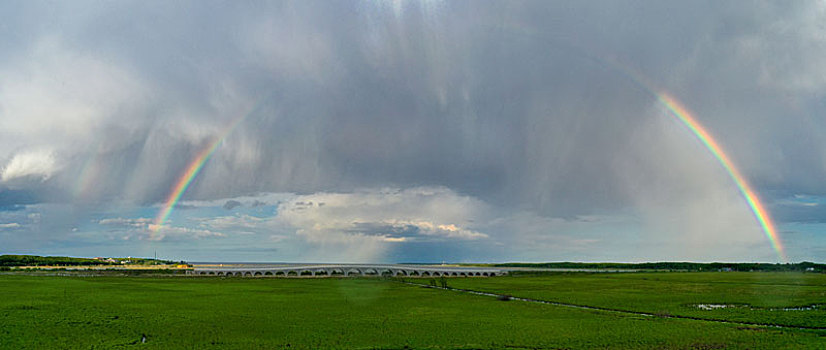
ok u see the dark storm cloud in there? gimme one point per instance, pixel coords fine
(797, 208)
(13, 199)
(231, 204)
(800, 213)
(393, 231)
(514, 102)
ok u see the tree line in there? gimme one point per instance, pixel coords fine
(681, 266)
(35, 260)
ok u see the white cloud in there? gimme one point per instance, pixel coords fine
(11, 225)
(277, 238)
(136, 222)
(232, 222)
(39, 163)
(356, 226)
(167, 232)
(35, 218)
(374, 215)
(794, 203)
(145, 229)
(428, 228)
(390, 214)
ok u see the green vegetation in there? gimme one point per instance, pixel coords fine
(753, 297)
(678, 266)
(34, 260)
(246, 313)
(109, 271)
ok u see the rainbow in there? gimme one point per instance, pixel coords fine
(753, 201)
(684, 116)
(88, 175)
(671, 104)
(191, 172)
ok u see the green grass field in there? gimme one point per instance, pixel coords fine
(39, 312)
(758, 297)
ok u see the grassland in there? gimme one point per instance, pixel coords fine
(40, 312)
(753, 297)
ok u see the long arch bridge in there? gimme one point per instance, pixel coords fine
(347, 270)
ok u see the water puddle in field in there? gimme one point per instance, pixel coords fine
(714, 306)
(708, 307)
(801, 308)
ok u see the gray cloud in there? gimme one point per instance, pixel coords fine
(414, 99)
(230, 204)
(522, 106)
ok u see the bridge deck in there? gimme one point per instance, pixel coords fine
(338, 270)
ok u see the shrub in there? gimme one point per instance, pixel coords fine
(443, 281)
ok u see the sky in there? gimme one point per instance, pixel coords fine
(401, 131)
